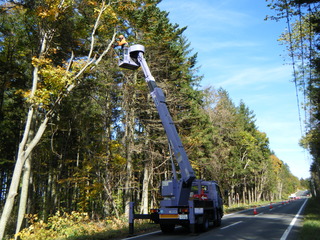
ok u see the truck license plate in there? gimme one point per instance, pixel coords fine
(183, 216)
(198, 210)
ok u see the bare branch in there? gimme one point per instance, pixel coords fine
(108, 48)
(102, 9)
(51, 143)
(70, 62)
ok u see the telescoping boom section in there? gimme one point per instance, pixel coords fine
(185, 201)
(133, 59)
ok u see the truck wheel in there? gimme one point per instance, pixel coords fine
(217, 222)
(205, 224)
(167, 228)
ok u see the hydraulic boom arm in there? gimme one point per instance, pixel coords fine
(134, 60)
(185, 201)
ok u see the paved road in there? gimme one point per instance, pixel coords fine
(282, 221)
(302, 193)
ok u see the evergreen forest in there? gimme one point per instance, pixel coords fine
(79, 134)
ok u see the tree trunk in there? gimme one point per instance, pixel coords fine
(129, 99)
(231, 196)
(145, 190)
(13, 192)
(25, 148)
(48, 206)
(244, 192)
(258, 189)
(128, 184)
(24, 194)
(255, 198)
(280, 189)
(110, 200)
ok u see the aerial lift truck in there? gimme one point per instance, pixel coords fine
(186, 201)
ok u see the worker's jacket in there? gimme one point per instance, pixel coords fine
(122, 43)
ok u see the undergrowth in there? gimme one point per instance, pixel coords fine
(78, 226)
(311, 222)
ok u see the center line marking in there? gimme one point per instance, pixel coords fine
(231, 225)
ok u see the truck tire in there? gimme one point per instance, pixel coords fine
(205, 224)
(217, 222)
(167, 228)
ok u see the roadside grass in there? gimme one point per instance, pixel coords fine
(141, 227)
(78, 226)
(311, 222)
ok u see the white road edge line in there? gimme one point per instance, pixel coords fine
(143, 235)
(231, 225)
(286, 233)
(259, 214)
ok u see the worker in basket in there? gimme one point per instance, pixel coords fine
(121, 42)
(122, 45)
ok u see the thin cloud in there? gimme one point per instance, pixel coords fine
(252, 76)
(213, 46)
(206, 15)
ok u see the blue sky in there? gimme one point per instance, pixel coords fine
(238, 51)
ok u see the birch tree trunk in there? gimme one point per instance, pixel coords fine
(23, 151)
(24, 195)
(23, 154)
(145, 190)
(25, 182)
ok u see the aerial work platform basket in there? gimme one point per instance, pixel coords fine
(129, 57)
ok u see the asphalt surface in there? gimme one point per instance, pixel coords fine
(281, 220)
